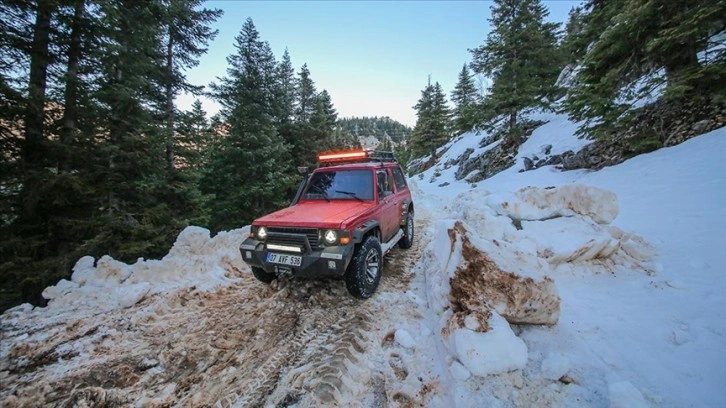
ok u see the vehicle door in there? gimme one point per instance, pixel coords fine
(401, 193)
(388, 204)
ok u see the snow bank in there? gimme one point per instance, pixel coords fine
(492, 264)
(571, 239)
(532, 203)
(194, 261)
(474, 296)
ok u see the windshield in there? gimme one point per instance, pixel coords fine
(340, 185)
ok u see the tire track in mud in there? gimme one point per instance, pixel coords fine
(320, 332)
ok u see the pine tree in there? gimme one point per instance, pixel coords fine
(572, 43)
(305, 96)
(324, 117)
(286, 89)
(521, 56)
(465, 99)
(306, 133)
(186, 35)
(433, 122)
(195, 138)
(631, 40)
(247, 173)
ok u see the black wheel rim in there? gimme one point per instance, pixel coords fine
(372, 265)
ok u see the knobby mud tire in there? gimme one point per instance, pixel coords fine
(408, 233)
(364, 271)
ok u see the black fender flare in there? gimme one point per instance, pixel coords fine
(362, 230)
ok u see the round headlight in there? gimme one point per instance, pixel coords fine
(262, 233)
(330, 237)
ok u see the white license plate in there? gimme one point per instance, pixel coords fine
(291, 260)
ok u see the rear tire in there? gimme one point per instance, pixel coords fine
(408, 232)
(364, 271)
(263, 276)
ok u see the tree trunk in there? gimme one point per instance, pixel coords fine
(512, 120)
(69, 125)
(70, 108)
(170, 157)
(35, 108)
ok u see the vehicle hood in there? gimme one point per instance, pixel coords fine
(316, 214)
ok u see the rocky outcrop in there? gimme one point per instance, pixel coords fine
(655, 126)
(498, 158)
(485, 165)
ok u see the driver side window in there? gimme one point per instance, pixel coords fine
(384, 184)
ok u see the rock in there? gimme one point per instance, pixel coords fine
(547, 149)
(488, 163)
(701, 126)
(528, 164)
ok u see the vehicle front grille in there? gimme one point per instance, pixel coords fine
(294, 237)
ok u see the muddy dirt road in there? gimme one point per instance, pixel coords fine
(306, 344)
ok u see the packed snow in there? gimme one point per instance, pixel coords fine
(538, 288)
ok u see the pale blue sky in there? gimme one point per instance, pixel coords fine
(373, 57)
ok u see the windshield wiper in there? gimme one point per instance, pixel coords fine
(350, 193)
(325, 195)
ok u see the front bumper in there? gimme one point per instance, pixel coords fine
(327, 262)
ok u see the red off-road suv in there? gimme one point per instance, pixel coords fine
(346, 215)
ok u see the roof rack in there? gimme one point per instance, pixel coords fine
(382, 156)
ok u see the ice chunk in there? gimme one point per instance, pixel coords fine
(404, 338)
(497, 351)
(555, 366)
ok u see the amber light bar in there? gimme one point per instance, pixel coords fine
(341, 156)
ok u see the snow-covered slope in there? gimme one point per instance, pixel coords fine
(661, 332)
(627, 262)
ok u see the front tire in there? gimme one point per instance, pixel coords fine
(263, 276)
(364, 271)
(408, 232)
